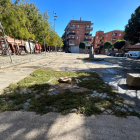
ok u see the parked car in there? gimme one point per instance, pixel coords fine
(132, 54)
(121, 54)
(117, 54)
(111, 54)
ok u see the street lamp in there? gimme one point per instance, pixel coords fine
(55, 33)
(2, 30)
(44, 43)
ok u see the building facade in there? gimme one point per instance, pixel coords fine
(75, 32)
(101, 37)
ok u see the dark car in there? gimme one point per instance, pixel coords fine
(111, 54)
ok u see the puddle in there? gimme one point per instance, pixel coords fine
(102, 63)
(64, 68)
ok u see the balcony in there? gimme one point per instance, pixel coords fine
(113, 39)
(87, 40)
(70, 33)
(89, 28)
(71, 44)
(88, 45)
(114, 34)
(72, 27)
(87, 34)
(71, 39)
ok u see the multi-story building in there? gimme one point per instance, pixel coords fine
(101, 38)
(75, 32)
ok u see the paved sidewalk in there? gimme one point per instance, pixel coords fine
(16, 73)
(53, 126)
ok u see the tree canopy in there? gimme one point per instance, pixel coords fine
(119, 44)
(108, 45)
(82, 45)
(101, 47)
(23, 20)
(132, 29)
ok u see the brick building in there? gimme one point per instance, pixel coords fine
(75, 32)
(101, 38)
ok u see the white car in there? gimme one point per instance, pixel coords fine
(133, 54)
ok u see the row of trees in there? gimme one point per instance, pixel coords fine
(118, 45)
(23, 20)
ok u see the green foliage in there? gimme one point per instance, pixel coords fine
(82, 45)
(132, 29)
(108, 44)
(119, 44)
(23, 20)
(83, 102)
(101, 47)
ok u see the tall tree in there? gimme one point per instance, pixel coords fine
(132, 29)
(101, 47)
(108, 45)
(119, 44)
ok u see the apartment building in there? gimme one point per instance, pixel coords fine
(101, 38)
(75, 32)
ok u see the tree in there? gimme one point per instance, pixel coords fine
(100, 48)
(82, 45)
(23, 20)
(119, 44)
(132, 29)
(108, 45)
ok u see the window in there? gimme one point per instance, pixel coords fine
(72, 36)
(73, 31)
(107, 35)
(77, 37)
(119, 34)
(78, 26)
(92, 38)
(97, 36)
(87, 25)
(73, 25)
(114, 34)
(77, 32)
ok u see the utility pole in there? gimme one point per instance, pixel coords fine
(44, 44)
(30, 46)
(55, 33)
(6, 41)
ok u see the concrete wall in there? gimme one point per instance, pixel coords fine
(74, 49)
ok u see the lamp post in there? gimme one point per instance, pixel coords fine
(44, 43)
(55, 33)
(5, 41)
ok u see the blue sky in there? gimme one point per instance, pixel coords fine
(106, 15)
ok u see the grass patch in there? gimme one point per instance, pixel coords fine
(33, 91)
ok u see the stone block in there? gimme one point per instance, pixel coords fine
(133, 79)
